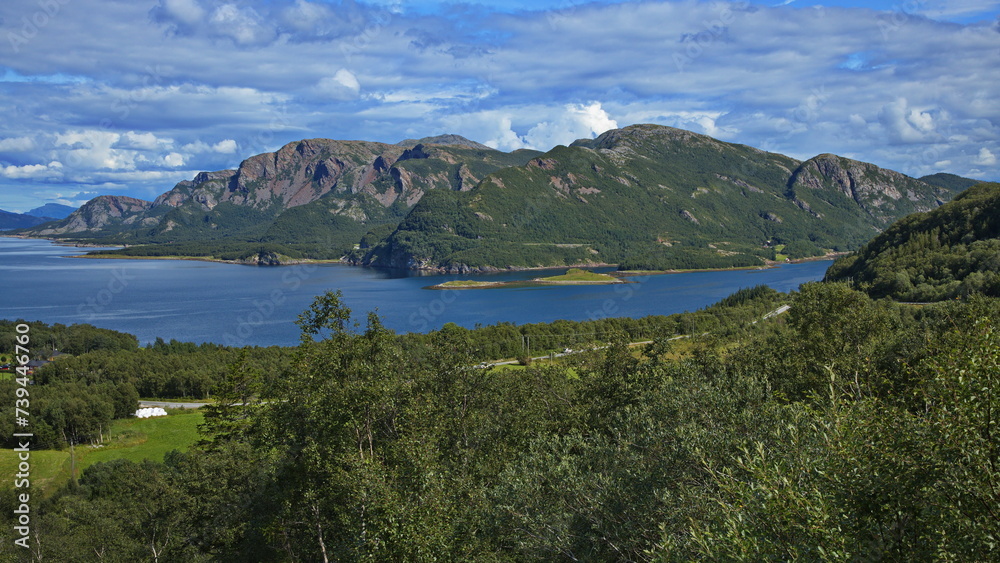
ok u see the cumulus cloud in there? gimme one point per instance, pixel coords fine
(905, 124)
(94, 149)
(574, 122)
(17, 144)
(33, 171)
(173, 160)
(213, 80)
(557, 126)
(343, 85)
(225, 146)
(143, 141)
(985, 158)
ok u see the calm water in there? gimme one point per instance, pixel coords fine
(238, 305)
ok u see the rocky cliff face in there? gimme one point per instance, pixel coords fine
(360, 178)
(885, 194)
(99, 214)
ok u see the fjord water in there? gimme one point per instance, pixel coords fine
(199, 301)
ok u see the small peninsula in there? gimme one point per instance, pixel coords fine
(573, 276)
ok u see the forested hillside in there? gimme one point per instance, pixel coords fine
(845, 429)
(952, 251)
(653, 197)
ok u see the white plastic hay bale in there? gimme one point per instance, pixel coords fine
(147, 412)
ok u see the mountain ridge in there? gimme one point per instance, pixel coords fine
(644, 195)
(653, 197)
(13, 221)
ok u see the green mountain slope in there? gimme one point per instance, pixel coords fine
(949, 252)
(951, 182)
(648, 196)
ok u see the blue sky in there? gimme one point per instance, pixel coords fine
(129, 97)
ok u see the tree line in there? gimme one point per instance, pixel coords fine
(846, 429)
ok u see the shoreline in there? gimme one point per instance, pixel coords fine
(209, 259)
(768, 264)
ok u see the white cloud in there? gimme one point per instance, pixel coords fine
(575, 122)
(17, 144)
(91, 149)
(244, 25)
(343, 85)
(143, 141)
(545, 126)
(173, 160)
(986, 158)
(33, 171)
(905, 124)
(226, 146)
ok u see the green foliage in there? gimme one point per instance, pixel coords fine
(951, 252)
(949, 181)
(73, 339)
(846, 429)
(686, 258)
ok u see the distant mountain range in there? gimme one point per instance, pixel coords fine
(37, 216)
(645, 196)
(51, 211)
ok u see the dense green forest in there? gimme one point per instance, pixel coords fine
(950, 252)
(100, 374)
(845, 429)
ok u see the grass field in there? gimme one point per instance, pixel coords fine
(135, 439)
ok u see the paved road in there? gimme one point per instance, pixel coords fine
(169, 405)
(561, 354)
(780, 310)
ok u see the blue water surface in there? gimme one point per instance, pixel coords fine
(199, 301)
